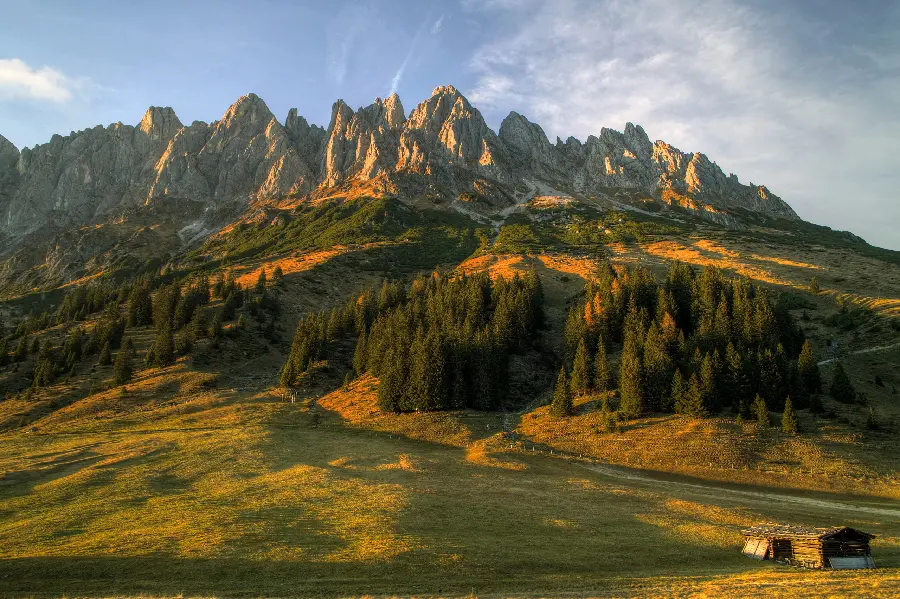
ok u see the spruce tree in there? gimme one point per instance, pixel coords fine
(708, 385)
(810, 376)
(657, 370)
(105, 355)
(164, 348)
(581, 371)
(261, 280)
(277, 275)
(561, 406)
(790, 423)
(842, 388)
(761, 411)
(815, 404)
(360, 354)
(601, 367)
(122, 370)
(679, 393)
(693, 403)
(769, 377)
(631, 378)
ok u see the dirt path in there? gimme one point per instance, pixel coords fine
(862, 351)
(717, 492)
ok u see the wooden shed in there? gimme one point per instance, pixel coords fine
(841, 548)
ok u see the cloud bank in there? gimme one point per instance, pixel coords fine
(19, 81)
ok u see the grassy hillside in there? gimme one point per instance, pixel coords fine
(200, 479)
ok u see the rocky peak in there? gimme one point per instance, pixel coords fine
(306, 138)
(394, 114)
(249, 109)
(637, 141)
(9, 154)
(447, 124)
(160, 124)
(526, 141)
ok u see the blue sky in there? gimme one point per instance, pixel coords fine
(802, 96)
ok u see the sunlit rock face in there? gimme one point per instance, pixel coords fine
(443, 145)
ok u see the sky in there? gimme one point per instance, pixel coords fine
(802, 96)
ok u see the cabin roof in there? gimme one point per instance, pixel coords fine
(800, 532)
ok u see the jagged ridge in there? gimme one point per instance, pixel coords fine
(445, 145)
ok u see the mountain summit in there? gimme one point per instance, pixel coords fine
(444, 146)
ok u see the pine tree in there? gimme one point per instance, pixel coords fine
(708, 385)
(815, 404)
(581, 371)
(761, 410)
(842, 388)
(361, 354)
(105, 355)
(693, 403)
(601, 367)
(122, 370)
(790, 423)
(810, 376)
(277, 275)
(21, 351)
(605, 406)
(871, 421)
(631, 378)
(261, 280)
(392, 383)
(679, 393)
(561, 406)
(657, 370)
(769, 377)
(814, 286)
(574, 331)
(164, 348)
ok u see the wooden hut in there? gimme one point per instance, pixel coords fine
(841, 548)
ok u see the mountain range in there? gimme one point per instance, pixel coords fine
(197, 178)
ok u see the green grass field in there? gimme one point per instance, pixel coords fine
(231, 494)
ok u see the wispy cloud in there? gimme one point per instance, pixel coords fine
(778, 97)
(348, 26)
(22, 82)
(434, 30)
(438, 25)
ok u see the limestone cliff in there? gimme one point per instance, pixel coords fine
(444, 146)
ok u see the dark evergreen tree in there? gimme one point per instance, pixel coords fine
(105, 355)
(790, 422)
(694, 403)
(631, 377)
(658, 368)
(679, 398)
(842, 388)
(581, 371)
(761, 411)
(360, 355)
(601, 367)
(163, 348)
(122, 370)
(261, 281)
(277, 275)
(561, 406)
(808, 369)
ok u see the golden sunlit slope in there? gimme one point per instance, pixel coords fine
(262, 497)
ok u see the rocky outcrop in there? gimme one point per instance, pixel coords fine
(9, 175)
(444, 144)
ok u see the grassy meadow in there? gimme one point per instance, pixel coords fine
(199, 480)
(247, 495)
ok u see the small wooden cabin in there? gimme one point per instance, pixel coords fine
(840, 548)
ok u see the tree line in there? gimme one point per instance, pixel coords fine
(692, 344)
(442, 342)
